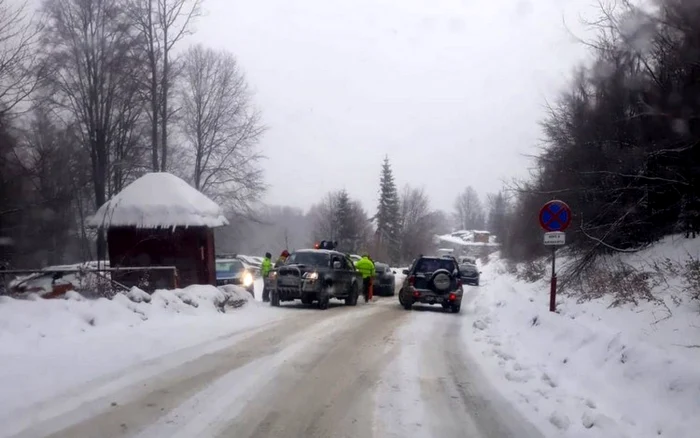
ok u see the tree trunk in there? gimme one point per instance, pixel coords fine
(164, 108)
(153, 91)
(100, 180)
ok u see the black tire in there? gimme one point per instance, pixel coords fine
(456, 308)
(324, 300)
(274, 299)
(408, 306)
(351, 300)
(307, 300)
(401, 297)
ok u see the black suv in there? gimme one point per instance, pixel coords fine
(316, 275)
(432, 280)
(470, 273)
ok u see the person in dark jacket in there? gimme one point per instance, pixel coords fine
(265, 269)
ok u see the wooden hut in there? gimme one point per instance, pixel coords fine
(160, 220)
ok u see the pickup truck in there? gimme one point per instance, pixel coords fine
(316, 275)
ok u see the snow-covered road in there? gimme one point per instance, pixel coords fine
(372, 370)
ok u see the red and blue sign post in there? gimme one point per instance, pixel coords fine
(555, 217)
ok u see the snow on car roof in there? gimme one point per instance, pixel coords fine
(159, 199)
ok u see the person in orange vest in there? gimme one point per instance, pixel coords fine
(282, 258)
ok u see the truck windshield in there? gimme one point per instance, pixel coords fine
(309, 259)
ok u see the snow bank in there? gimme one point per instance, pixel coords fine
(591, 370)
(159, 199)
(51, 346)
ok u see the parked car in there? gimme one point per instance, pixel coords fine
(384, 281)
(55, 281)
(470, 273)
(432, 280)
(233, 271)
(316, 275)
(251, 263)
(467, 260)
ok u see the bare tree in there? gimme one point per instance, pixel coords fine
(221, 127)
(89, 49)
(19, 67)
(417, 223)
(469, 213)
(162, 25)
(323, 219)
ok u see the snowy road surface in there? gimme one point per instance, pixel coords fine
(372, 370)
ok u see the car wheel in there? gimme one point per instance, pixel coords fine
(351, 300)
(324, 299)
(408, 305)
(274, 299)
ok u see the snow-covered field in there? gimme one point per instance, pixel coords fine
(50, 347)
(590, 370)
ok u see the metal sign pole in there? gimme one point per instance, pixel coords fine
(554, 217)
(553, 284)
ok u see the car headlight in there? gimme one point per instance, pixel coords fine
(247, 279)
(311, 276)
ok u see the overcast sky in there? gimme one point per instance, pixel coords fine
(451, 90)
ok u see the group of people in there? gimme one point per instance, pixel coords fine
(365, 266)
(265, 269)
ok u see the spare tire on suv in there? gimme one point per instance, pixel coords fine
(441, 280)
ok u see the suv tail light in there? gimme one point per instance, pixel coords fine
(412, 280)
(416, 294)
(452, 297)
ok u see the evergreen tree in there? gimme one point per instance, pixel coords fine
(388, 217)
(342, 217)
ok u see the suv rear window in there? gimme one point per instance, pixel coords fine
(431, 265)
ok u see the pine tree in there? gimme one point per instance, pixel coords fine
(342, 218)
(388, 216)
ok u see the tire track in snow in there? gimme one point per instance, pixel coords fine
(127, 409)
(327, 390)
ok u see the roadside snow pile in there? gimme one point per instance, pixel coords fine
(49, 346)
(591, 370)
(64, 316)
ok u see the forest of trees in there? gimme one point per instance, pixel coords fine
(94, 93)
(622, 142)
(403, 225)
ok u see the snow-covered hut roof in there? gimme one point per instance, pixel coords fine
(159, 199)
